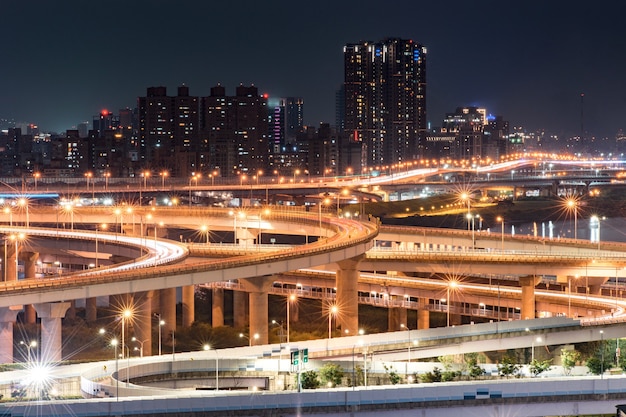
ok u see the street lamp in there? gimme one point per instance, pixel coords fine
(451, 285)
(114, 343)
(204, 229)
(572, 204)
(501, 220)
(532, 352)
(409, 348)
(332, 311)
(254, 337)
(290, 299)
(23, 202)
(602, 354)
(7, 210)
(296, 172)
(471, 218)
(17, 237)
(217, 367)
(126, 314)
(163, 175)
(141, 342)
(161, 323)
(32, 344)
(36, 176)
(107, 175)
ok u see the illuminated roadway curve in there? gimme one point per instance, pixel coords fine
(157, 271)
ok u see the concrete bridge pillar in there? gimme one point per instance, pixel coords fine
(528, 284)
(396, 317)
(188, 305)
(240, 309)
(91, 309)
(217, 307)
(30, 262)
(142, 319)
(10, 267)
(167, 304)
(348, 296)
(51, 315)
(423, 316)
(258, 289)
(7, 318)
(594, 284)
(456, 319)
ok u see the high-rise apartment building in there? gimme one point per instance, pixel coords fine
(168, 130)
(234, 131)
(384, 102)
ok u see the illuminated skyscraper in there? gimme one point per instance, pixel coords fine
(385, 102)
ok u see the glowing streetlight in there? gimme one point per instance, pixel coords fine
(23, 203)
(532, 352)
(250, 340)
(204, 229)
(36, 176)
(332, 311)
(141, 342)
(7, 210)
(161, 323)
(163, 174)
(217, 367)
(451, 285)
(126, 314)
(501, 220)
(114, 343)
(291, 299)
(572, 205)
(29, 346)
(107, 175)
(408, 329)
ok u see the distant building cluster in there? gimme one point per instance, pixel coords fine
(380, 122)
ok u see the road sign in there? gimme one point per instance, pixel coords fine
(295, 357)
(305, 356)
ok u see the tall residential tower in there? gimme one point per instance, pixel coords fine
(385, 103)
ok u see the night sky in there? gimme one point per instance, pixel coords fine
(529, 61)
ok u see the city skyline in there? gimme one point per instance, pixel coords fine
(528, 62)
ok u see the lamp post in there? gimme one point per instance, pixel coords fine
(126, 314)
(114, 342)
(204, 229)
(291, 298)
(17, 238)
(255, 336)
(572, 204)
(217, 367)
(107, 175)
(451, 285)
(332, 311)
(501, 220)
(141, 342)
(36, 176)
(602, 354)
(470, 218)
(23, 202)
(532, 347)
(164, 175)
(7, 210)
(408, 329)
(466, 197)
(161, 323)
(31, 344)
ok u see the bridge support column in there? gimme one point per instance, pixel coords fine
(91, 309)
(7, 318)
(188, 305)
(51, 315)
(167, 303)
(594, 284)
(217, 307)
(396, 318)
(143, 321)
(240, 309)
(347, 296)
(258, 289)
(30, 262)
(423, 317)
(528, 284)
(10, 267)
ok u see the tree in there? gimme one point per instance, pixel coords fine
(508, 367)
(474, 370)
(331, 374)
(569, 358)
(538, 367)
(309, 380)
(394, 378)
(434, 376)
